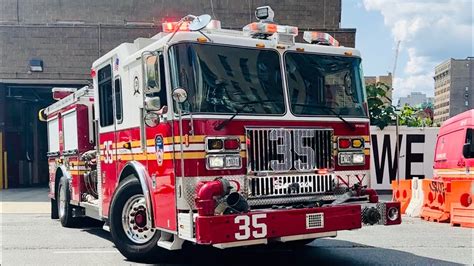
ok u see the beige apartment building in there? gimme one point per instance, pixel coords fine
(387, 80)
(454, 82)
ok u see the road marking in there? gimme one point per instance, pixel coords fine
(84, 251)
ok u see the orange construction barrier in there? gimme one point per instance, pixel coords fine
(462, 207)
(401, 192)
(436, 202)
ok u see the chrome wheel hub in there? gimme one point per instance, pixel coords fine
(62, 202)
(136, 221)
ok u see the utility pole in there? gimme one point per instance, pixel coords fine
(397, 138)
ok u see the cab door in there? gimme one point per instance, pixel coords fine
(105, 109)
(160, 164)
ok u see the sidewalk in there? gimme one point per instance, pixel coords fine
(24, 200)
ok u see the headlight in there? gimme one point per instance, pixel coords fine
(233, 161)
(215, 161)
(358, 158)
(351, 158)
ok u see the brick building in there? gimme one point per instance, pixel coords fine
(66, 36)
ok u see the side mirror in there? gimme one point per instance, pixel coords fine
(152, 119)
(348, 84)
(152, 103)
(180, 95)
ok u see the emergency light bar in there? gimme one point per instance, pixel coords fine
(267, 29)
(320, 38)
(170, 27)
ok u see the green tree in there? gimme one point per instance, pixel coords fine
(415, 116)
(381, 114)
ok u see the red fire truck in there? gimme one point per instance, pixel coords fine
(218, 137)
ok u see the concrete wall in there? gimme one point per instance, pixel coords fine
(68, 35)
(417, 148)
(304, 13)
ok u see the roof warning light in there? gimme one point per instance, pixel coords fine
(320, 38)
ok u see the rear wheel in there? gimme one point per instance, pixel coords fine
(64, 207)
(130, 223)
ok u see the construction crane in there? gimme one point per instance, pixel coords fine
(395, 63)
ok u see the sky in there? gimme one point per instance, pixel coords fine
(429, 31)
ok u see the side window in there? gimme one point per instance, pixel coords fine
(162, 93)
(118, 100)
(106, 105)
(469, 135)
(469, 153)
(152, 74)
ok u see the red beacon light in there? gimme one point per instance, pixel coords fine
(320, 38)
(169, 27)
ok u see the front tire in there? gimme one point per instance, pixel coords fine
(64, 207)
(130, 223)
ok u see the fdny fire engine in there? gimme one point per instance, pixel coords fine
(218, 137)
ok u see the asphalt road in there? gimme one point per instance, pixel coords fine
(28, 236)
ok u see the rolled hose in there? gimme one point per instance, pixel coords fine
(206, 194)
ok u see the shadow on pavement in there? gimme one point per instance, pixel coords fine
(321, 251)
(31, 194)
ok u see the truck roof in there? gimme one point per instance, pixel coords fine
(129, 52)
(458, 121)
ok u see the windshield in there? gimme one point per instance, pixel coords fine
(324, 84)
(224, 79)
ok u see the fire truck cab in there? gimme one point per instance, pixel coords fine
(218, 137)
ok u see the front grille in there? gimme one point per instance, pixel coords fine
(277, 186)
(286, 150)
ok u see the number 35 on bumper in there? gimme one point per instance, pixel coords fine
(251, 226)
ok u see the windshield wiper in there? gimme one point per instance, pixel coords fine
(330, 109)
(224, 123)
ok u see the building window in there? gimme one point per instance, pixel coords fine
(466, 103)
(467, 88)
(106, 105)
